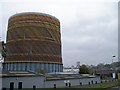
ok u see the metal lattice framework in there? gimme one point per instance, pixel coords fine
(33, 37)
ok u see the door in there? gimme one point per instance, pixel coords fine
(11, 85)
(20, 85)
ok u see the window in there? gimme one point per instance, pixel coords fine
(54, 67)
(12, 66)
(26, 66)
(32, 66)
(50, 67)
(18, 66)
(42, 65)
(8, 66)
(37, 66)
(23, 66)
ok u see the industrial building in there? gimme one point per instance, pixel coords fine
(33, 43)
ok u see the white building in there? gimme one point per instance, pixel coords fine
(71, 70)
(21, 79)
(26, 79)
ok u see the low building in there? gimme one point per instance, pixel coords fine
(71, 70)
(66, 79)
(106, 74)
(22, 79)
(27, 79)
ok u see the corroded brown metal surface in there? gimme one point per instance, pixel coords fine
(33, 37)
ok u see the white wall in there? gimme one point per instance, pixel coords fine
(27, 82)
(0, 83)
(72, 81)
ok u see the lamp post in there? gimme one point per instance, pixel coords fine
(113, 68)
(112, 58)
(112, 62)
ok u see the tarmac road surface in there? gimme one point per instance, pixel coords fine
(113, 88)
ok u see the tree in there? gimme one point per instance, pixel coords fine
(41, 71)
(84, 69)
(3, 49)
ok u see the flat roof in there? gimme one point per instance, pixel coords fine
(19, 74)
(67, 76)
(49, 77)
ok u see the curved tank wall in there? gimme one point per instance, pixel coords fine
(33, 43)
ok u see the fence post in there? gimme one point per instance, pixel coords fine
(54, 86)
(69, 84)
(34, 87)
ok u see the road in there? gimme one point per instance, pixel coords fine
(113, 88)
